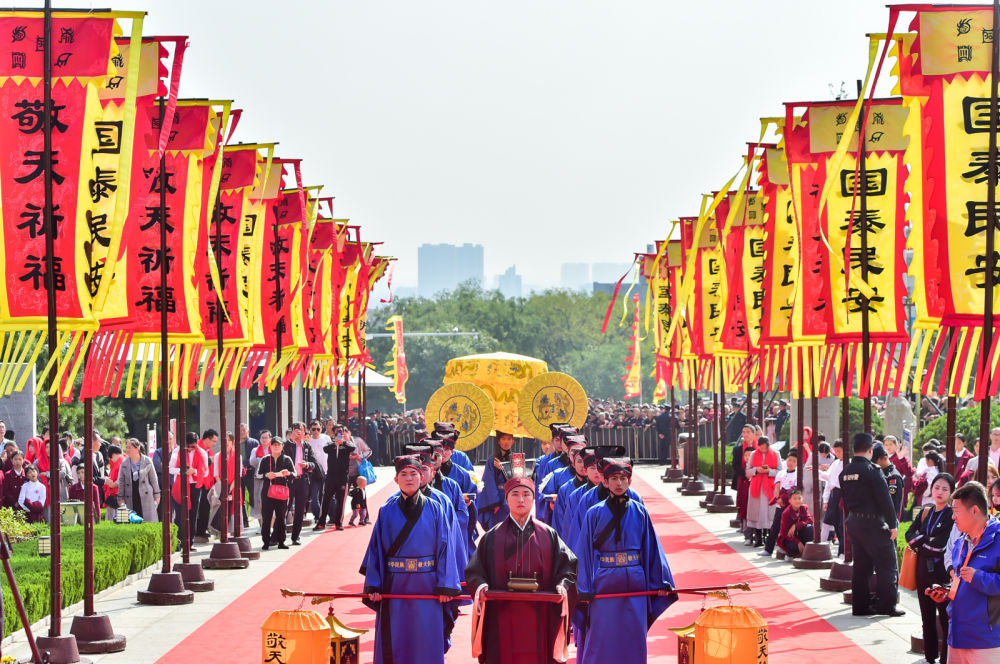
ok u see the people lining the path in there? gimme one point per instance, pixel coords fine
(137, 487)
(928, 536)
(973, 593)
(277, 473)
(871, 525)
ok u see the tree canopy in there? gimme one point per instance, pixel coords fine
(559, 326)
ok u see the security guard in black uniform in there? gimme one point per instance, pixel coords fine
(892, 477)
(871, 527)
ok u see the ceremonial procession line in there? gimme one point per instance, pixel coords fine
(804, 623)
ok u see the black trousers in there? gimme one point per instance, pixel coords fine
(933, 616)
(202, 512)
(196, 501)
(272, 509)
(873, 550)
(772, 534)
(791, 547)
(334, 487)
(299, 503)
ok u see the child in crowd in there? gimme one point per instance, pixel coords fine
(115, 458)
(995, 498)
(32, 498)
(76, 492)
(796, 525)
(359, 501)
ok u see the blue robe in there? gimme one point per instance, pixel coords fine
(560, 514)
(452, 494)
(543, 501)
(491, 504)
(412, 631)
(543, 506)
(626, 559)
(590, 498)
(460, 458)
(540, 464)
(465, 483)
(573, 516)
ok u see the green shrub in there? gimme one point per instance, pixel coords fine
(857, 420)
(705, 461)
(118, 552)
(966, 422)
(14, 525)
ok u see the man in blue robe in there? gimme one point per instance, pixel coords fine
(447, 431)
(622, 554)
(411, 552)
(446, 492)
(557, 478)
(559, 514)
(557, 461)
(542, 462)
(490, 504)
(598, 494)
(574, 515)
(469, 489)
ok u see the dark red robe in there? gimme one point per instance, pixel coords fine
(521, 632)
(905, 469)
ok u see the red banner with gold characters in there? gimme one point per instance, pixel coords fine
(397, 365)
(258, 288)
(944, 65)
(633, 363)
(662, 271)
(839, 240)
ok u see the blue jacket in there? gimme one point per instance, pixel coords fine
(974, 614)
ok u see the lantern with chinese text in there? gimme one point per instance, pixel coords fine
(345, 642)
(295, 637)
(730, 634)
(685, 644)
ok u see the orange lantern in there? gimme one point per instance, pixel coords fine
(295, 637)
(730, 634)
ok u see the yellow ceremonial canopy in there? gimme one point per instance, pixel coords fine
(501, 376)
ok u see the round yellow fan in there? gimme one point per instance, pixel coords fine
(468, 407)
(548, 398)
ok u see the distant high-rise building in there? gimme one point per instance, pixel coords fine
(509, 283)
(442, 267)
(575, 276)
(605, 272)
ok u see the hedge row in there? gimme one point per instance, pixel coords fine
(119, 550)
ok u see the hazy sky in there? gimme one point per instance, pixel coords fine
(548, 131)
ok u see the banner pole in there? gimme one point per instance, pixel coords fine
(862, 216)
(991, 263)
(55, 561)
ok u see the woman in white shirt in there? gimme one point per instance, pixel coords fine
(32, 498)
(934, 462)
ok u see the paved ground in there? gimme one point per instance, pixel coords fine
(153, 631)
(886, 639)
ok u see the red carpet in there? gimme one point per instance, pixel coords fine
(697, 558)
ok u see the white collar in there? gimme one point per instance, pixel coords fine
(527, 522)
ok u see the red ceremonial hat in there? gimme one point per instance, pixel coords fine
(515, 482)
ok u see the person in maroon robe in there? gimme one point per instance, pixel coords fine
(517, 549)
(903, 465)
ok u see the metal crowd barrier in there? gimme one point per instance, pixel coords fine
(642, 444)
